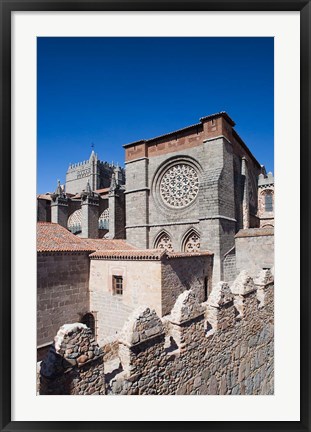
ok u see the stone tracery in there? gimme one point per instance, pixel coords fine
(103, 221)
(74, 222)
(179, 185)
(192, 242)
(164, 242)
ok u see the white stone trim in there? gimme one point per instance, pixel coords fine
(137, 190)
(162, 224)
(136, 160)
(218, 217)
(217, 137)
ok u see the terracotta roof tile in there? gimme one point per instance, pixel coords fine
(148, 254)
(100, 191)
(53, 237)
(107, 244)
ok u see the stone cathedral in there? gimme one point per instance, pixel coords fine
(188, 190)
(194, 188)
(191, 208)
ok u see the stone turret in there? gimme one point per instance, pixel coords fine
(266, 200)
(59, 206)
(89, 206)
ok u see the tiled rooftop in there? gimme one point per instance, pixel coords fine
(107, 244)
(102, 191)
(148, 254)
(143, 255)
(53, 237)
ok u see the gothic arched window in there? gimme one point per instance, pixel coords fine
(192, 242)
(103, 221)
(164, 241)
(268, 202)
(74, 223)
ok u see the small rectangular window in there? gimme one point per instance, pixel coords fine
(117, 285)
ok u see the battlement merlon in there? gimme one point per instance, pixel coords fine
(87, 163)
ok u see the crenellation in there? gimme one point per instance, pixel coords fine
(237, 358)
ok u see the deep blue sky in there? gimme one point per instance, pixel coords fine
(112, 91)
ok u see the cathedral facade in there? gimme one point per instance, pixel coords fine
(191, 208)
(192, 189)
(188, 190)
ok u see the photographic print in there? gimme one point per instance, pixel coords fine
(155, 216)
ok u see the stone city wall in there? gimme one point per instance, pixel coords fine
(74, 364)
(221, 347)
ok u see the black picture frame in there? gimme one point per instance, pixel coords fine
(7, 7)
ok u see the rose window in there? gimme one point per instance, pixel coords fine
(179, 185)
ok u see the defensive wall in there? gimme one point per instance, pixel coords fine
(223, 346)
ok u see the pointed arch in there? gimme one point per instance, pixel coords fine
(163, 241)
(191, 241)
(74, 223)
(103, 221)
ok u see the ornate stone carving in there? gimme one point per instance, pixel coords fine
(74, 222)
(103, 221)
(165, 242)
(192, 243)
(179, 185)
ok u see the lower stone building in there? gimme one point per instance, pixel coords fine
(120, 281)
(100, 281)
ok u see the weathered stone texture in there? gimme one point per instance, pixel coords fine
(74, 364)
(229, 266)
(254, 250)
(214, 152)
(158, 287)
(206, 348)
(181, 274)
(62, 291)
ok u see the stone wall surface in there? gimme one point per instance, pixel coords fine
(180, 274)
(220, 347)
(230, 266)
(74, 364)
(62, 291)
(254, 249)
(139, 287)
(153, 283)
